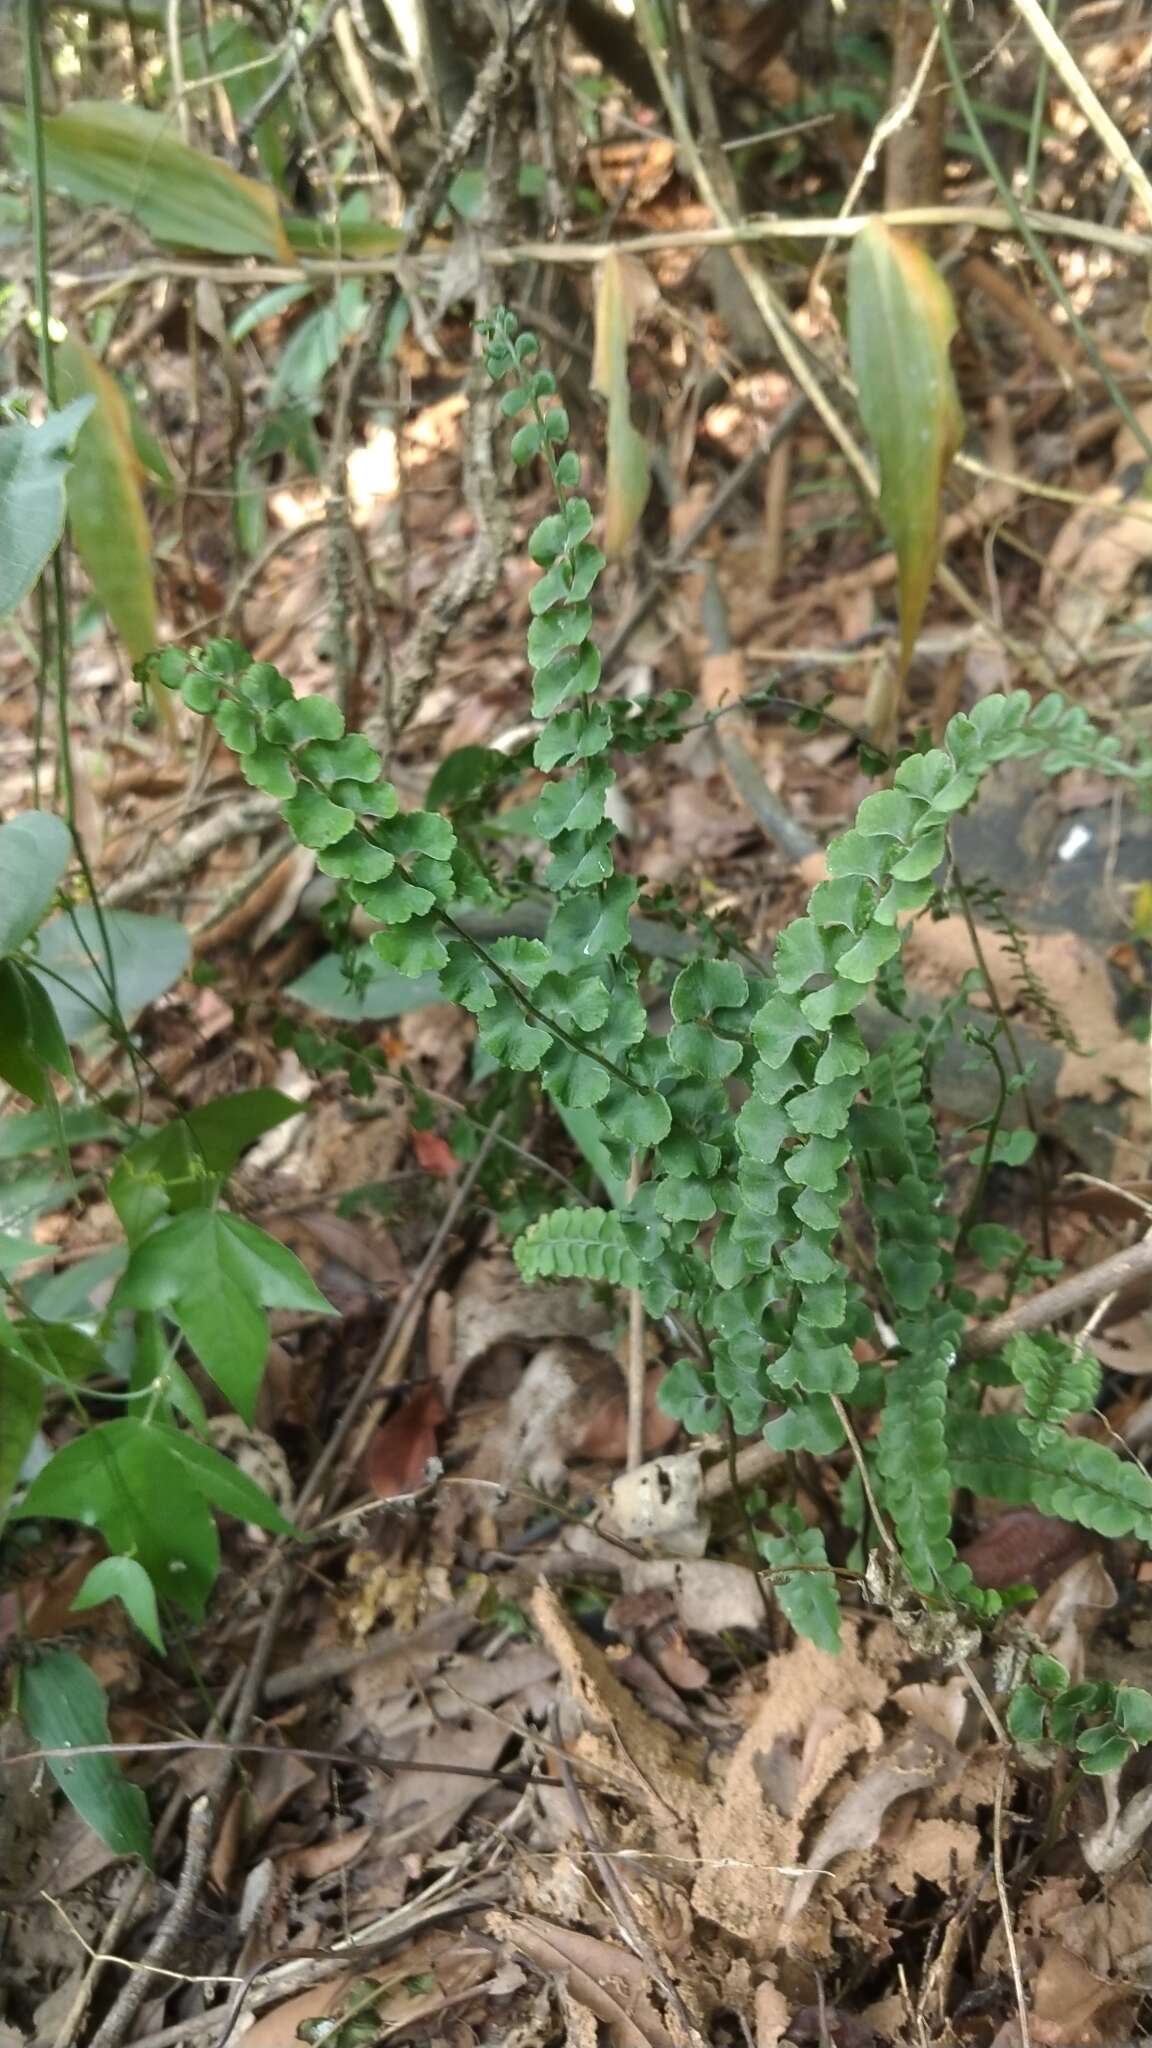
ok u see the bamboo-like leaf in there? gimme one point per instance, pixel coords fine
(900, 323)
(106, 153)
(627, 480)
(105, 504)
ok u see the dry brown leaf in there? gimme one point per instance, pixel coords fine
(493, 1306)
(543, 1423)
(660, 1503)
(918, 1760)
(815, 1713)
(609, 1981)
(400, 1449)
(1093, 559)
(1076, 977)
(710, 1596)
(1065, 1618)
(661, 1772)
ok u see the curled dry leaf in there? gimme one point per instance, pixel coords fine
(709, 1596)
(607, 1980)
(919, 1759)
(660, 1503)
(494, 1306)
(1066, 1617)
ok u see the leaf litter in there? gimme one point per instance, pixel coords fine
(701, 1833)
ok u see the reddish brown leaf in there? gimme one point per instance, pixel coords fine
(435, 1154)
(402, 1446)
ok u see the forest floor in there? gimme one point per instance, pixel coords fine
(631, 1808)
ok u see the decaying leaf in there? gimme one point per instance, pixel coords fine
(660, 1502)
(900, 324)
(401, 1448)
(493, 1306)
(627, 479)
(919, 1759)
(1094, 557)
(605, 1979)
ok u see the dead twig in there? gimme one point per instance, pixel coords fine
(1078, 1291)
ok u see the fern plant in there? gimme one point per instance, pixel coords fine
(735, 1222)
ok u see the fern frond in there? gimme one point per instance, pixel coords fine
(1058, 1380)
(577, 1244)
(992, 903)
(1010, 1459)
(914, 1463)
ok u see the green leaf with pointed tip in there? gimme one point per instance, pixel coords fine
(214, 1275)
(33, 476)
(901, 321)
(123, 1579)
(35, 849)
(62, 1706)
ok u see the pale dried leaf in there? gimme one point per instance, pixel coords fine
(916, 1761)
(660, 1503)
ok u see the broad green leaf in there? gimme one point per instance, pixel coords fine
(105, 502)
(214, 1275)
(316, 345)
(116, 1478)
(900, 323)
(33, 477)
(35, 849)
(46, 1130)
(62, 1706)
(325, 988)
(123, 1579)
(143, 958)
(31, 1041)
(221, 1482)
(245, 64)
(183, 1165)
(622, 280)
(21, 1405)
(108, 153)
(586, 1130)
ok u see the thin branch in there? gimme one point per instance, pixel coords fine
(1078, 1291)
